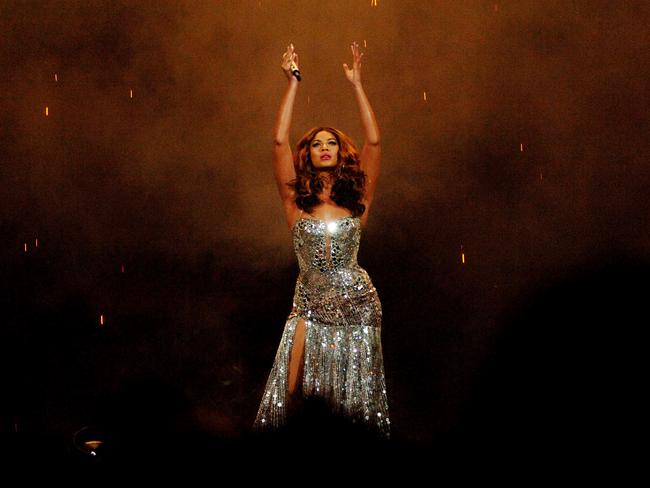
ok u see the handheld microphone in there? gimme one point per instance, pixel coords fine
(294, 70)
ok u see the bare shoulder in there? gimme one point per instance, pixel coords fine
(366, 213)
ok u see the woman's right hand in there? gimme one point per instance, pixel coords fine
(287, 58)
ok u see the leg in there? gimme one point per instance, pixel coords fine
(296, 363)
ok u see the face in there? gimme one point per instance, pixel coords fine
(324, 150)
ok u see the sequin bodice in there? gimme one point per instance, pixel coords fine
(326, 246)
(331, 286)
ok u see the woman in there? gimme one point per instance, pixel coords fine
(330, 348)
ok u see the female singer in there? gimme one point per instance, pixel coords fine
(331, 346)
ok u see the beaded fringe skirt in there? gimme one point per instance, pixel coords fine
(343, 366)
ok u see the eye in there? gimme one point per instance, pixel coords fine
(332, 143)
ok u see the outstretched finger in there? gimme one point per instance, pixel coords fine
(357, 58)
(356, 51)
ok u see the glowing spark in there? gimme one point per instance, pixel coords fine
(56, 77)
(373, 3)
(36, 242)
(131, 92)
(364, 43)
(462, 254)
(122, 268)
(101, 320)
(425, 96)
(47, 111)
(25, 246)
(521, 147)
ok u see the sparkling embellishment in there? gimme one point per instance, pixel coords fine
(343, 361)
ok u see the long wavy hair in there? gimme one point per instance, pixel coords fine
(349, 179)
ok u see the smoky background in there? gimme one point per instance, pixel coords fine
(144, 244)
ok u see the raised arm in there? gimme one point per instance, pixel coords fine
(282, 157)
(371, 152)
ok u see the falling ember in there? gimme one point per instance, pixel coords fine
(56, 77)
(101, 320)
(462, 255)
(364, 43)
(131, 93)
(122, 268)
(25, 247)
(36, 242)
(521, 147)
(47, 111)
(373, 3)
(425, 96)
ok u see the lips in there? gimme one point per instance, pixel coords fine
(326, 156)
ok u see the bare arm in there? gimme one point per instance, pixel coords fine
(371, 152)
(368, 120)
(282, 157)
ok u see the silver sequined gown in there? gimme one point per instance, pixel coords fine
(343, 354)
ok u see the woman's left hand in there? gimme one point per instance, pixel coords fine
(354, 74)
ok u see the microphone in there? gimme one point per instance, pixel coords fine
(294, 70)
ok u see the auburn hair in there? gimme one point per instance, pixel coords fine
(349, 179)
